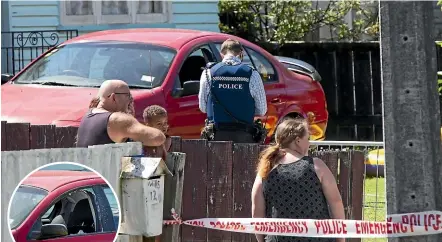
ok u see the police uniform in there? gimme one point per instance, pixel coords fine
(231, 107)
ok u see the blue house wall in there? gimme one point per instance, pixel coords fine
(45, 15)
(21, 16)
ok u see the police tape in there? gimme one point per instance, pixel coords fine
(397, 225)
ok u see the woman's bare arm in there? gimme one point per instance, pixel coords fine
(331, 191)
(258, 203)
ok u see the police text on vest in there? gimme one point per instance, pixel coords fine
(230, 86)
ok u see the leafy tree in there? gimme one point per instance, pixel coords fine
(281, 21)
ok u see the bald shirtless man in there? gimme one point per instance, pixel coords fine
(109, 123)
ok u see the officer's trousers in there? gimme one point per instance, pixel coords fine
(239, 136)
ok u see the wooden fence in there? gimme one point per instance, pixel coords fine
(351, 79)
(218, 179)
(218, 176)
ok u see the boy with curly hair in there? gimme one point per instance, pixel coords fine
(156, 116)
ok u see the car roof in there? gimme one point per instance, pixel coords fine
(172, 38)
(52, 179)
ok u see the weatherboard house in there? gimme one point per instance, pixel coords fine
(31, 27)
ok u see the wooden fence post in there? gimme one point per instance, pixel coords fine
(4, 139)
(173, 194)
(244, 162)
(195, 197)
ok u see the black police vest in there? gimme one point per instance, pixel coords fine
(230, 97)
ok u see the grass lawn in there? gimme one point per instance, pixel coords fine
(374, 203)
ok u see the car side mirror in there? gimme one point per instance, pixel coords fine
(6, 78)
(189, 88)
(49, 231)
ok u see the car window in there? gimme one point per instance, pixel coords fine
(204, 51)
(19, 210)
(246, 58)
(113, 204)
(81, 211)
(259, 62)
(263, 66)
(89, 64)
(48, 213)
(193, 65)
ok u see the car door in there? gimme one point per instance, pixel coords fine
(185, 117)
(274, 87)
(103, 204)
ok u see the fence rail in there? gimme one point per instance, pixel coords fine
(348, 143)
(20, 48)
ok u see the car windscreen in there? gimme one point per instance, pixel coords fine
(25, 199)
(88, 64)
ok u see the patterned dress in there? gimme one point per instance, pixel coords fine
(294, 191)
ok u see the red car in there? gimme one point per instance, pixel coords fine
(161, 66)
(64, 206)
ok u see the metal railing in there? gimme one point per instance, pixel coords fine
(348, 143)
(20, 48)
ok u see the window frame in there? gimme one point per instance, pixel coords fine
(97, 18)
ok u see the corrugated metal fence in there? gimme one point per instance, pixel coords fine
(218, 176)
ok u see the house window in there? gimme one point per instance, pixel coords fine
(114, 12)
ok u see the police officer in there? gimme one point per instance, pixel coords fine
(231, 93)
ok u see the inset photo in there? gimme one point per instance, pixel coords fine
(64, 202)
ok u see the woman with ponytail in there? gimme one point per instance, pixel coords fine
(291, 184)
